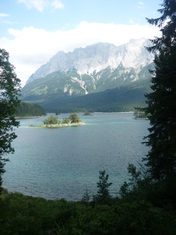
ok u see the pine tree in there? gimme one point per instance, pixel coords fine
(103, 187)
(161, 102)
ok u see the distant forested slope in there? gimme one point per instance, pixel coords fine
(29, 110)
(121, 99)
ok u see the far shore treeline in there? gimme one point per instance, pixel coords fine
(29, 110)
(120, 99)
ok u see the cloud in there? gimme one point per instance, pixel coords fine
(31, 47)
(131, 21)
(4, 15)
(40, 5)
(140, 5)
(57, 4)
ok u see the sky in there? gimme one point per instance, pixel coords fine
(32, 31)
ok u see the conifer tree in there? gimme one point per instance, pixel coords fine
(161, 102)
(103, 187)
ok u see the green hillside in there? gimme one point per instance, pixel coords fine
(106, 91)
(122, 98)
(28, 110)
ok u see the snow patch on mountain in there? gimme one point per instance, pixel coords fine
(95, 58)
(81, 83)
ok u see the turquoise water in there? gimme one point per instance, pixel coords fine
(63, 162)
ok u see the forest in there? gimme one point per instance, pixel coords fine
(121, 99)
(141, 207)
(29, 110)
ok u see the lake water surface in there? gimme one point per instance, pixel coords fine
(63, 162)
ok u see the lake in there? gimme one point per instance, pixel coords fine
(63, 162)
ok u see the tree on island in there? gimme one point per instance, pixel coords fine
(161, 159)
(138, 113)
(51, 120)
(74, 118)
(9, 92)
(65, 121)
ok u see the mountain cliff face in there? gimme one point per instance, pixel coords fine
(98, 57)
(89, 70)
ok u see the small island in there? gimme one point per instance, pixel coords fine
(52, 122)
(86, 113)
(139, 114)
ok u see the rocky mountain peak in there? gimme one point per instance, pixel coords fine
(97, 57)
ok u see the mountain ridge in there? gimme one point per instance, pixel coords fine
(94, 58)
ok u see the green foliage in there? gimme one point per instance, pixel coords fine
(122, 98)
(103, 185)
(9, 92)
(87, 113)
(136, 212)
(74, 118)
(27, 215)
(161, 102)
(65, 121)
(86, 196)
(28, 110)
(138, 113)
(139, 187)
(51, 120)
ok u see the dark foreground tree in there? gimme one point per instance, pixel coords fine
(9, 91)
(103, 188)
(161, 159)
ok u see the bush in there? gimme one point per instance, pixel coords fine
(102, 195)
(51, 120)
(65, 121)
(74, 118)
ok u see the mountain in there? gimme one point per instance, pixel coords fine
(84, 71)
(98, 57)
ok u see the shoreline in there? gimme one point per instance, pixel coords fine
(30, 117)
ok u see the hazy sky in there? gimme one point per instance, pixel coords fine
(32, 31)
